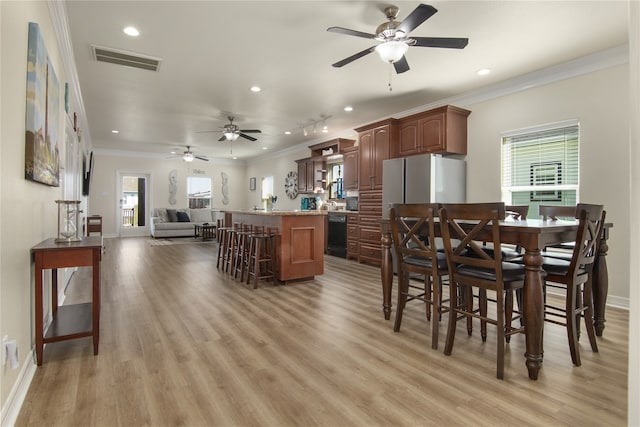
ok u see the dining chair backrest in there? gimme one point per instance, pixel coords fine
(517, 211)
(591, 221)
(456, 226)
(409, 224)
(553, 212)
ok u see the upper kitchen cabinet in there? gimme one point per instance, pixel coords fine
(350, 168)
(375, 142)
(306, 175)
(439, 131)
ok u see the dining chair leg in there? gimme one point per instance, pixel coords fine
(572, 333)
(482, 303)
(508, 310)
(436, 311)
(588, 315)
(427, 296)
(455, 300)
(403, 288)
(467, 291)
(500, 329)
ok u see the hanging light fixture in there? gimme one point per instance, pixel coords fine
(231, 136)
(392, 50)
(188, 157)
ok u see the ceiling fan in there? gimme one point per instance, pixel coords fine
(231, 132)
(395, 38)
(189, 156)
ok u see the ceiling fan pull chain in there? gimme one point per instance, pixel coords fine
(390, 75)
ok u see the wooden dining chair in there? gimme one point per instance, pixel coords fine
(555, 213)
(413, 235)
(516, 212)
(574, 278)
(464, 228)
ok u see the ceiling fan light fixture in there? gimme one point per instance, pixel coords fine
(188, 157)
(231, 136)
(392, 50)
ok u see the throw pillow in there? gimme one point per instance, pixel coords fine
(162, 214)
(183, 217)
(173, 215)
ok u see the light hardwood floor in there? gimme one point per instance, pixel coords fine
(183, 344)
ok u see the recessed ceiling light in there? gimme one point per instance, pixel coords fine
(235, 158)
(287, 132)
(348, 108)
(264, 148)
(483, 72)
(255, 89)
(131, 31)
(115, 131)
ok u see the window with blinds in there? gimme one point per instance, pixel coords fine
(541, 166)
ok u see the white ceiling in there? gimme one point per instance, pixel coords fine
(214, 51)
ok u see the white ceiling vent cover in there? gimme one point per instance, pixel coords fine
(122, 57)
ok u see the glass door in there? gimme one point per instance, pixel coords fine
(133, 205)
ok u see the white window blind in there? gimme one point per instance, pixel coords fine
(541, 166)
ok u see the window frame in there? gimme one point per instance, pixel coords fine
(543, 193)
(198, 205)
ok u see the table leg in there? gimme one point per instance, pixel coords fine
(38, 308)
(533, 311)
(54, 292)
(600, 285)
(386, 271)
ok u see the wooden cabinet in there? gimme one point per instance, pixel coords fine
(441, 130)
(370, 213)
(350, 168)
(309, 170)
(353, 236)
(375, 142)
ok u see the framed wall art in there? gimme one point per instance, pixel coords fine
(43, 133)
(252, 184)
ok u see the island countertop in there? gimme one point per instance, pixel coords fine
(278, 212)
(300, 235)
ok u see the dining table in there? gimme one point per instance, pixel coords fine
(533, 236)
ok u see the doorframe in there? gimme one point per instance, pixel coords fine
(140, 231)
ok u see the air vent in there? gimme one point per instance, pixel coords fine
(122, 57)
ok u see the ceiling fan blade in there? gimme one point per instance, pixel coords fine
(201, 158)
(251, 130)
(354, 57)
(223, 138)
(401, 65)
(349, 32)
(446, 42)
(417, 17)
(250, 138)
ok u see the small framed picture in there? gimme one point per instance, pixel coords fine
(252, 184)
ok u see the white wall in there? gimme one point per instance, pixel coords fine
(599, 101)
(28, 212)
(104, 201)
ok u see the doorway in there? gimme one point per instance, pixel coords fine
(132, 216)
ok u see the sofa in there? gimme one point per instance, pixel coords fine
(168, 222)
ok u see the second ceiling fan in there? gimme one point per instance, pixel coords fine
(395, 38)
(231, 132)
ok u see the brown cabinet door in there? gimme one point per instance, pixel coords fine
(302, 177)
(408, 140)
(350, 170)
(311, 176)
(365, 153)
(433, 133)
(380, 152)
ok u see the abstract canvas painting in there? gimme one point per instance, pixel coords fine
(42, 114)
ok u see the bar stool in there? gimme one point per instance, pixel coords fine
(262, 249)
(242, 251)
(246, 253)
(221, 236)
(231, 245)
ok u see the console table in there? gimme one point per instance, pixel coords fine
(69, 321)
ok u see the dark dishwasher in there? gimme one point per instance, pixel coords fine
(337, 235)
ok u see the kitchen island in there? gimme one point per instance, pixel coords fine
(299, 243)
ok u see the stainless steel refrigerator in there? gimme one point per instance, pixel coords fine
(426, 178)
